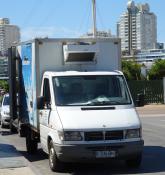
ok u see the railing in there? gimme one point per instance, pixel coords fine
(152, 90)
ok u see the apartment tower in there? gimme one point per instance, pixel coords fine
(9, 35)
(137, 28)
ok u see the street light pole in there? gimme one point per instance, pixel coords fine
(94, 18)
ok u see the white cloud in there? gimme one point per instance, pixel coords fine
(51, 32)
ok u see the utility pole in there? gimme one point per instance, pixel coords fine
(94, 18)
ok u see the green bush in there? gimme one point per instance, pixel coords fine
(157, 71)
(4, 85)
(131, 70)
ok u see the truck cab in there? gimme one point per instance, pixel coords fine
(88, 116)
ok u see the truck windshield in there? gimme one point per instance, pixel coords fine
(97, 90)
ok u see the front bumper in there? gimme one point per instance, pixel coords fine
(87, 152)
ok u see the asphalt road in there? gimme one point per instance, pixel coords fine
(153, 157)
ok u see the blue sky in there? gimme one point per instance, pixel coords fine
(71, 18)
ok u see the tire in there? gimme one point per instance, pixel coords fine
(54, 163)
(134, 162)
(31, 144)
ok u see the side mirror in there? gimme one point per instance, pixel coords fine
(40, 102)
(140, 100)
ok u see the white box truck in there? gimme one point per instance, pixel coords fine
(72, 100)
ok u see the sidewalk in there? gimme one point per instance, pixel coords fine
(154, 109)
(16, 171)
(11, 161)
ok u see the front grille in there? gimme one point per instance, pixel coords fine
(100, 135)
(114, 135)
(93, 136)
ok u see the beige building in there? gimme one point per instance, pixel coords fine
(9, 34)
(137, 28)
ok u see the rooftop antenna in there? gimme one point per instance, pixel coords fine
(94, 18)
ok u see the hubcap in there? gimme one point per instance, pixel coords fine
(51, 156)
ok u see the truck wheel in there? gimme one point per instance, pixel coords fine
(134, 162)
(31, 145)
(54, 163)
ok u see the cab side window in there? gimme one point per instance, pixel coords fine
(46, 93)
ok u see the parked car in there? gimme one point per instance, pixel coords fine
(5, 111)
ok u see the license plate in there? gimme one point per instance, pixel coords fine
(105, 154)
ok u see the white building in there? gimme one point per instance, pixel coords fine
(137, 28)
(148, 57)
(99, 34)
(9, 34)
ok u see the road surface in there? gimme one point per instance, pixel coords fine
(153, 157)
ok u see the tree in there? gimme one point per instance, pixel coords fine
(131, 70)
(4, 85)
(157, 70)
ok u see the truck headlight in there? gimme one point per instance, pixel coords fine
(133, 133)
(61, 135)
(70, 136)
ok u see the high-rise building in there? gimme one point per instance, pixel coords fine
(137, 28)
(9, 34)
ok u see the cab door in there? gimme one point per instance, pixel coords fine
(45, 113)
